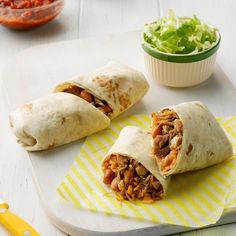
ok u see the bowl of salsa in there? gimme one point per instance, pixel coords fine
(27, 14)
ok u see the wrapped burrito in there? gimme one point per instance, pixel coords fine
(187, 137)
(112, 89)
(79, 107)
(131, 171)
(54, 120)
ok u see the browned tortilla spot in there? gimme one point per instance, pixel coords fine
(190, 148)
(51, 146)
(114, 91)
(100, 80)
(189, 117)
(10, 123)
(198, 104)
(28, 106)
(63, 119)
(114, 97)
(210, 153)
(124, 100)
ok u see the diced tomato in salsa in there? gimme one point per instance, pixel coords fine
(26, 14)
(23, 4)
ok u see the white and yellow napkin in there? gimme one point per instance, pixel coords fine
(194, 199)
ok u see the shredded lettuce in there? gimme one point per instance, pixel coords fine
(180, 35)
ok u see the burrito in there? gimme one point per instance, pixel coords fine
(78, 108)
(130, 170)
(112, 89)
(54, 120)
(188, 137)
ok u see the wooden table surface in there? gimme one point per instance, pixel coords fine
(83, 18)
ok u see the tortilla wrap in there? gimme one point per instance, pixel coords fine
(135, 143)
(119, 85)
(55, 120)
(204, 142)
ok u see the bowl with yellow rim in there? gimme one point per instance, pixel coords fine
(180, 70)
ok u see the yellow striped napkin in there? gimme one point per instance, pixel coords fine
(229, 125)
(195, 199)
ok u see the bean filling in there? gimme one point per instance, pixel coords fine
(167, 133)
(131, 180)
(83, 93)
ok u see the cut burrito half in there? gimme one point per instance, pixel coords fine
(55, 120)
(78, 108)
(112, 89)
(188, 137)
(131, 171)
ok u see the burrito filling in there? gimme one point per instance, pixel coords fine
(87, 96)
(131, 180)
(167, 133)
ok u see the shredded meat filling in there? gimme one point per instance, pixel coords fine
(167, 133)
(131, 180)
(100, 104)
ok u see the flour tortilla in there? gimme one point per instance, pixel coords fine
(204, 140)
(119, 85)
(136, 143)
(55, 120)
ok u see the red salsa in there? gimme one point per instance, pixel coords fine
(26, 14)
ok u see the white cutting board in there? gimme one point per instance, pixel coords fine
(33, 73)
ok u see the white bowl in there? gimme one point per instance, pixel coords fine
(180, 70)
